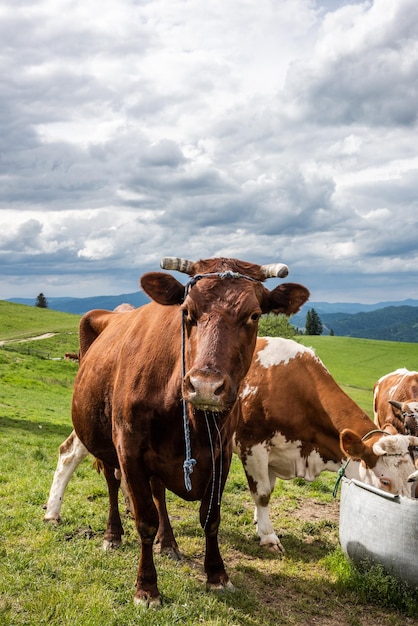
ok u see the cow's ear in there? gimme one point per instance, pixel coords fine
(352, 445)
(286, 298)
(397, 405)
(162, 288)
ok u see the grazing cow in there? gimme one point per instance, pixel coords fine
(296, 421)
(395, 398)
(156, 394)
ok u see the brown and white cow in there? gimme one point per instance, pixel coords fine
(296, 422)
(165, 417)
(395, 401)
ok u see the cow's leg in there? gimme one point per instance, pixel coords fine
(261, 484)
(265, 530)
(146, 521)
(114, 530)
(165, 535)
(210, 517)
(71, 453)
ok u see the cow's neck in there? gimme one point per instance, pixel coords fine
(343, 412)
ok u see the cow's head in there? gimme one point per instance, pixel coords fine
(220, 307)
(385, 459)
(407, 413)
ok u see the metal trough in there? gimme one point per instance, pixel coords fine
(379, 528)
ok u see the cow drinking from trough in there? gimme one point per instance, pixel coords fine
(296, 422)
(395, 397)
(163, 416)
(395, 400)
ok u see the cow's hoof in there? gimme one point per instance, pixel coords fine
(172, 553)
(278, 550)
(272, 544)
(111, 544)
(52, 520)
(147, 602)
(220, 587)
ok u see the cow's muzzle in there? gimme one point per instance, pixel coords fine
(208, 390)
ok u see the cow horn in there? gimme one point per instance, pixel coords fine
(275, 269)
(176, 263)
(413, 477)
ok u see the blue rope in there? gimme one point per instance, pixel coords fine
(189, 462)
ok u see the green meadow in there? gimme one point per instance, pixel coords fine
(59, 574)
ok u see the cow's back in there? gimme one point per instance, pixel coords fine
(117, 377)
(288, 391)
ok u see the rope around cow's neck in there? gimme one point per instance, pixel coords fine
(189, 461)
(212, 451)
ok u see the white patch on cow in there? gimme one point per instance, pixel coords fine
(286, 462)
(278, 458)
(248, 391)
(280, 351)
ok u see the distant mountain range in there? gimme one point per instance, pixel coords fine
(392, 321)
(82, 305)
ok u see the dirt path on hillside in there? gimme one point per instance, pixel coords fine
(44, 336)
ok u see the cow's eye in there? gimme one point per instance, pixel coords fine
(385, 482)
(188, 317)
(254, 317)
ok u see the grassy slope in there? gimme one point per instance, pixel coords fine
(18, 321)
(59, 575)
(357, 364)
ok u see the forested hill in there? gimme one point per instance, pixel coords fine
(392, 323)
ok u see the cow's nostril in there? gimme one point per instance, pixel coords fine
(190, 388)
(219, 390)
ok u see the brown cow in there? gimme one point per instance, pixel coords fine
(165, 416)
(395, 398)
(296, 421)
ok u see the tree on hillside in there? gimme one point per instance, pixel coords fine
(41, 301)
(271, 325)
(313, 323)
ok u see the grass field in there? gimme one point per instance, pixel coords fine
(59, 575)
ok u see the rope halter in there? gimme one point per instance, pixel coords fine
(189, 461)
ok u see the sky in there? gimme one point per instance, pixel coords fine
(269, 131)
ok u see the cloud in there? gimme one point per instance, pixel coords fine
(364, 69)
(269, 131)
